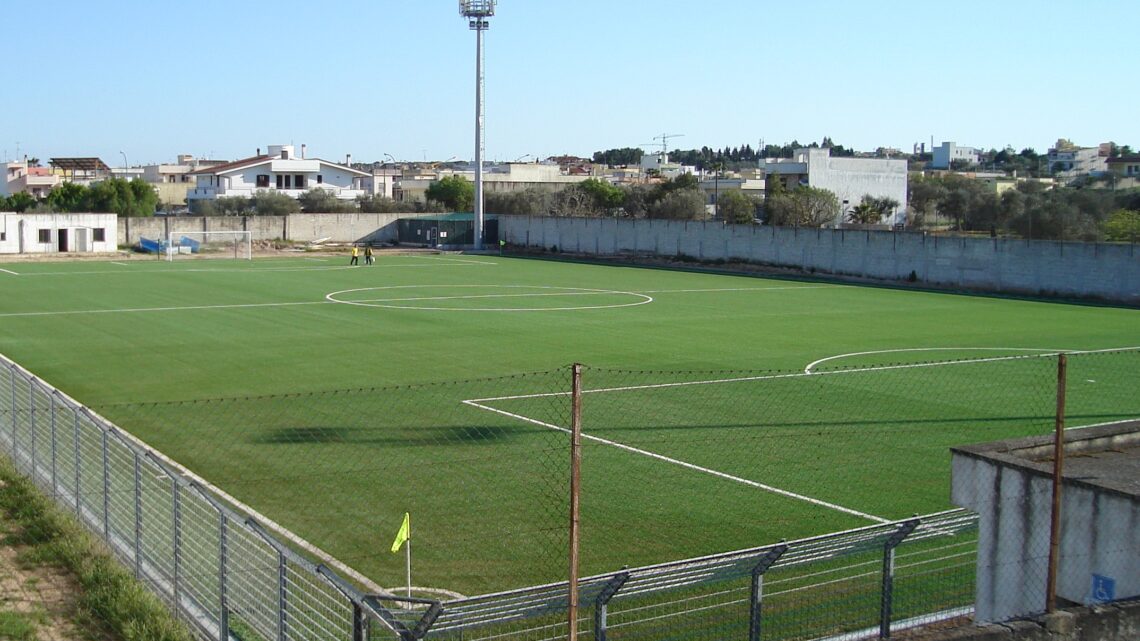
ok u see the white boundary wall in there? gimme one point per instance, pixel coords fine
(1109, 272)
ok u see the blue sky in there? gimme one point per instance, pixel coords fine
(219, 78)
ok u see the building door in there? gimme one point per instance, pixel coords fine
(62, 236)
(83, 239)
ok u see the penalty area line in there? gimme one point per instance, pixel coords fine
(8, 271)
(684, 464)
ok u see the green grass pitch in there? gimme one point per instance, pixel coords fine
(333, 399)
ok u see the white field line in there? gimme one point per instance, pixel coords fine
(160, 309)
(480, 403)
(120, 264)
(253, 270)
(810, 366)
(8, 271)
(419, 298)
(684, 464)
(738, 289)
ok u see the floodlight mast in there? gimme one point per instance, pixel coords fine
(477, 12)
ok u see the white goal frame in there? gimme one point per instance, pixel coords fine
(241, 242)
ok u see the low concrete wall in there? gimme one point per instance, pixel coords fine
(296, 227)
(1109, 272)
(1111, 622)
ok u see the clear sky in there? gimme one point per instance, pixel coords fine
(150, 79)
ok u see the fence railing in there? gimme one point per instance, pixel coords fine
(237, 576)
(216, 568)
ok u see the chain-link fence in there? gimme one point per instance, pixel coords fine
(697, 465)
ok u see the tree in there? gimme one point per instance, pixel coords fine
(376, 204)
(272, 203)
(738, 208)
(679, 204)
(607, 197)
(623, 156)
(864, 214)
(68, 197)
(453, 192)
(18, 202)
(803, 206)
(115, 195)
(324, 201)
(1122, 225)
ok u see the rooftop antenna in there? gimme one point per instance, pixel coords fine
(477, 12)
(664, 138)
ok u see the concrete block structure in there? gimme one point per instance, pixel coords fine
(848, 178)
(1009, 484)
(57, 233)
(944, 155)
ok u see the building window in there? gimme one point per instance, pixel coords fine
(320, 179)
(3, 235)
(288, 181)
(299, 181)
(280, 181)
(263, 181)
(45, 235)
(99, 234)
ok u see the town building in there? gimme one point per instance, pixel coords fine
(20, 177)
(944, 156)
(850, 179)
(57, 233)
(1070, 161)
(280, 171)
(1124, 171)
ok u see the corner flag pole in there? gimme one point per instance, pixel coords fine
(404, 537)
(408, 556)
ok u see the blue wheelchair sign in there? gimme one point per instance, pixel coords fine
(1103, 589)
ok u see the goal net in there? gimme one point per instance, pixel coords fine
(210, 244)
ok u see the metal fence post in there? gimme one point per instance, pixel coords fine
(358, 622)
(282, 591)
(78, 467)
(223, 600)
(601, 604)
(54, 452)
(176, 509)
(12, 383)
(887, 597)
(106, 490)
(138, 519)
(1058, 477)
(575, 488)
(755, 609)
(32, 424)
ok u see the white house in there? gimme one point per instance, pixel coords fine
(848, 178)
(57, 233)
(943, 157)
(280, 171)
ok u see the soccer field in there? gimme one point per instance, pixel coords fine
(335, 398)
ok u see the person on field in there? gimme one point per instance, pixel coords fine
(355, 256)
(368, 260)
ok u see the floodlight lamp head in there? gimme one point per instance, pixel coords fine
(477, 8)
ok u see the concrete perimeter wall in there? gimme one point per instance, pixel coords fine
(297, 227)
(1109, 272)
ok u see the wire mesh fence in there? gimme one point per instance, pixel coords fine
(695, 465)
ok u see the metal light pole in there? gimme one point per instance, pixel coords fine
(124, 163)
(477, 12)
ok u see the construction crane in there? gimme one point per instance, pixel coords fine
(664, 138)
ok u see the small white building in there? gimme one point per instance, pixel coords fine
(279, 171)
(850, 179)
(57, 233)
(943, 157)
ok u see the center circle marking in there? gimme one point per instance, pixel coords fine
(641, 299)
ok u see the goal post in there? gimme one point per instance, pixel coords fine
(237, 245)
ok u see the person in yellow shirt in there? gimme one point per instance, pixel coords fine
(355, 256)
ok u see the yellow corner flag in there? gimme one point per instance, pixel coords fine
(404, 534)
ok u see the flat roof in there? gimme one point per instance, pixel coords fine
(1105, 457)
(80, 164)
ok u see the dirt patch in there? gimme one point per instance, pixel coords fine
(39, 601)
